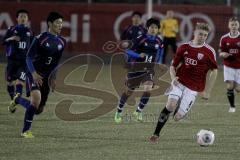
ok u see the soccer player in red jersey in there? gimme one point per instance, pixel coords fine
(189, 76)
(230, 52)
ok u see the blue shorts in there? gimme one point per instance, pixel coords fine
(15, 70)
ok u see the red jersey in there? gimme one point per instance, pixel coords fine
(231, 45)
(195, 61)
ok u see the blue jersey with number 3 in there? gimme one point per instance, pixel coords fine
(44, 53)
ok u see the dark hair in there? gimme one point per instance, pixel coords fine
(152, 21)
(21, 11)
(233, 19)
(137, 13)
(52, 16)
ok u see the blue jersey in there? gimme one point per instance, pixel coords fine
(132, 32)
(45, 53)
(17, 50)
(151, 46)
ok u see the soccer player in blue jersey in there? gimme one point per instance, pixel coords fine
(17, 41)
(42, 59)
(135, 29)
(144, 54)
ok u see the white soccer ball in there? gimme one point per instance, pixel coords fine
(205, 137)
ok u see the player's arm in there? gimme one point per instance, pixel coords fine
(8, 37)
(159, 55)
(177, 62)
(32, 51)
(210, 81)
(132, 52)
(223, 49)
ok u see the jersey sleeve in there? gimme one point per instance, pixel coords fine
(213, 60)
(178, 58)
(222, 45)
(8, 34)
(32, 51)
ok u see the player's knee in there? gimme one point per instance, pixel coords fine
(178, 117)
(39, 110)
(171, 106)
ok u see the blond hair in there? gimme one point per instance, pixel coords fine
(202, 26)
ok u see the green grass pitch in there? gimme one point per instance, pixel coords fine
(102, 139)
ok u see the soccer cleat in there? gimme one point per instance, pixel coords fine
(232, 110)
(154, 139)
(118, 117)
(27, 134)
(138, 116)
(12, 106)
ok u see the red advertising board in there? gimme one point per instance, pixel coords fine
(88, 27)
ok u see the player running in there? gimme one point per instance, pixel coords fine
(17, 41)
(142, 58)
(135, 29)
(188, 72)
(230, 52)
(42, 59)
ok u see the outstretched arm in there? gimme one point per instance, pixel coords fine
(210, 81)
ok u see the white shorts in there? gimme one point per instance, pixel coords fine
(184, 95)
(231, 74)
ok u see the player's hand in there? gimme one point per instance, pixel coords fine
(225, 54)
(14, 38)
(142, 55)
(204, 95)
(175, 81)
(37, 78)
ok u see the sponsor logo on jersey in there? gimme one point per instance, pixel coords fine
(233, 51)
(200, 56)
(156, 46)
(190, 61)
(28, 34)
(60, 47)
(185, 53)
(227, 44)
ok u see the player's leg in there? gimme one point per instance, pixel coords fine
(21, 74)
(163, 117)
(229, 76)
(9, 76)
(148, 85)
(133, 81)
(44, 97)
(29, 113)
(186, 102)
(174, 93)
(127, 93)
(174, 45)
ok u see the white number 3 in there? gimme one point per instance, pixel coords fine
(49, 60)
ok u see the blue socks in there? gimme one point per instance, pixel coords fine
(144, 100)
(30, 111)
(19, 88)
